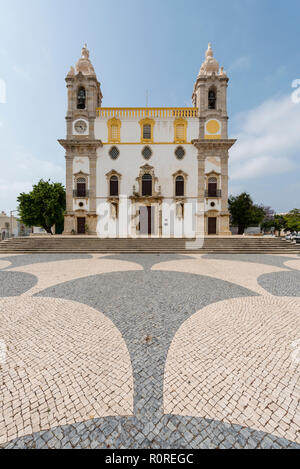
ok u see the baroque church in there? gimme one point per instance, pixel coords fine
(147, 172)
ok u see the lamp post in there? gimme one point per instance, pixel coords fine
(11, 222)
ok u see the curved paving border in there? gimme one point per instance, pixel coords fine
(277, 260)
(245, 275)
(49, 274)
(26, 259)
(232, 362)
(293, 264)
(65, 363)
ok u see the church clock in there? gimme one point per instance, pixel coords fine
(80, 127)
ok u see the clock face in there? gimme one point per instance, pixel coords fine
(81, 127)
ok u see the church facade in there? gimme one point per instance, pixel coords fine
(147, 172)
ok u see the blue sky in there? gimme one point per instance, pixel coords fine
(137, 45)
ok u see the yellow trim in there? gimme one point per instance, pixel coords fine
(147, 112)
(153, 143)
(177, 122)
(111, 123)
(150, 122)
(213, 126)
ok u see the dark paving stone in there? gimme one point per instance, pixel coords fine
(16, 283)
(266, 259)
(281, 283)
(28, 259)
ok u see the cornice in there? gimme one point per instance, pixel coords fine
(76, 144)
(207, 145)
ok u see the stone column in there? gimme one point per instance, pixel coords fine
(160, 220)
(92, 215)
(200, 223)
(69, 183)
(93, 168)
(69, 217)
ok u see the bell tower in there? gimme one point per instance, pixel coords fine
(210, 98)
(84, 97)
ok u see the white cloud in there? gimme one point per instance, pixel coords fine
(268, 140)
(241, 63)
(22, 170)
(21, 71)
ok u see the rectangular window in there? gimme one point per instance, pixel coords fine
(147, 132)
(114, 132)
(81, 189)
(180, 132)
(114, 187)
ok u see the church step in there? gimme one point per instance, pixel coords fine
(144, 245)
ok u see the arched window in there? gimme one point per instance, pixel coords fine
(212, 99)
(147, 185)
(81, 98)
(114, 186)
(180, 186)
(212, 187)
(81, 187)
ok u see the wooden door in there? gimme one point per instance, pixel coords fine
(150, 220)
(212, 226)
(146, 220)
(81, 225)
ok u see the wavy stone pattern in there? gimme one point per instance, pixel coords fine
(149, 309)
(19, 260)
(66, 363)
(240, 273)
(49, 274)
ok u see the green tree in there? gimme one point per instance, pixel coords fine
(292, 220)
(276, 222)
(44, 206)
(244, 212)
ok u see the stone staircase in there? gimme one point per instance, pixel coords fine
(210, 245)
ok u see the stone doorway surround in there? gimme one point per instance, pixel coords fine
(156, 207)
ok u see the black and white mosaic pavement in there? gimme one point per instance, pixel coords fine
(148, 307)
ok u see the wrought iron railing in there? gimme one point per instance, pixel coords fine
(81, 194)
(213, 194)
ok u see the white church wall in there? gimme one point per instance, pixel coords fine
(128, 165)
(131, 130)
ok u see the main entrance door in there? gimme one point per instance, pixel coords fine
(212, 226)
(147, 220)
(81, 225)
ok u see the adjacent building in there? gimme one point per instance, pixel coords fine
(159, 172)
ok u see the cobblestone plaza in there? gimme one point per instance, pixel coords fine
(149, 351)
